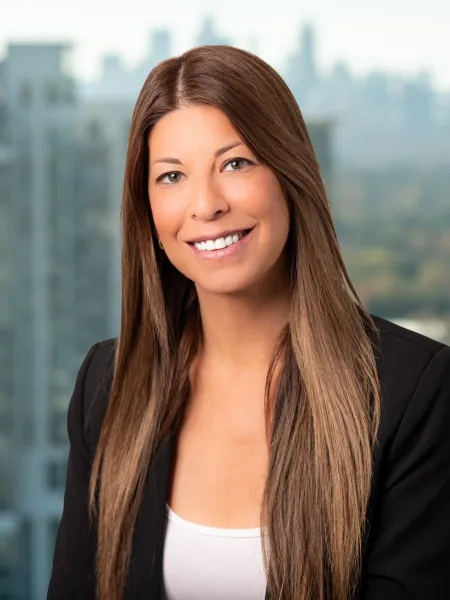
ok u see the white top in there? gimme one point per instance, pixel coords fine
(201, 562)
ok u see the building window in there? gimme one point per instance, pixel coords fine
(24, 565)
(25, 94)
(50, 93)
(8, 564)
(56, 475)
(94, 130)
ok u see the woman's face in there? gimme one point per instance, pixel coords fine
(206, 186)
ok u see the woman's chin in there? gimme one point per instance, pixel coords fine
(221, 289)
(227, 285)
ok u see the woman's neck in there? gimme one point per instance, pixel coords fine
(242, 330)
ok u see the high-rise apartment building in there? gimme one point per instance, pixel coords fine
(62, 290)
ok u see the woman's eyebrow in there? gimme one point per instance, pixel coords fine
(175, 161)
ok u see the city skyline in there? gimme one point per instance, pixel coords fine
(404, 38)
(62, 162)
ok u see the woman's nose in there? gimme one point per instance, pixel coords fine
(208, 202)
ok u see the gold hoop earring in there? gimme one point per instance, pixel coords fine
(160, 244)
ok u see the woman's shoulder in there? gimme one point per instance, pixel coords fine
(414, 373)
(395, 336)
(402, 354)
(97, 385)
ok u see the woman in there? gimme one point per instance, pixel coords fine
(298, 445)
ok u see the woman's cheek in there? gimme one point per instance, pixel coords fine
(168, 214)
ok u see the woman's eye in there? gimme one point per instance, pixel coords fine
(169, 177)
(237, 163)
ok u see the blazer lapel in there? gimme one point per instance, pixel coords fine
(145, 571)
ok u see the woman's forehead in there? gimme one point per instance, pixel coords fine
(192, 130)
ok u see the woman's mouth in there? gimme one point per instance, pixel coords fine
(222, 247)
(221, 242)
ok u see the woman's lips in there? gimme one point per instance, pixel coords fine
(232, 250)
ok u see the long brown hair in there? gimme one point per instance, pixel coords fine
(322, 396)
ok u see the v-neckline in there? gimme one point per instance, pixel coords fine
(146, 567)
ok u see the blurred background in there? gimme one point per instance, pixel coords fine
(374, 87)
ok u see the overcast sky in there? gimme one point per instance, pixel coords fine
(396, 35)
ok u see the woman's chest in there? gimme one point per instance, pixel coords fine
(220, 466)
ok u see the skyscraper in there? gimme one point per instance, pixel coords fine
(63, 290)
(301, 72)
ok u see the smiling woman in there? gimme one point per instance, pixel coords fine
(253, 433)
(220, 191)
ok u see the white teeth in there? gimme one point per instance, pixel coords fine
(219, 243)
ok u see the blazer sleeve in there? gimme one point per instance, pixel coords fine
(72, 576)
(409, 558)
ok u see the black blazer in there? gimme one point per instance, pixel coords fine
(407, 551)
